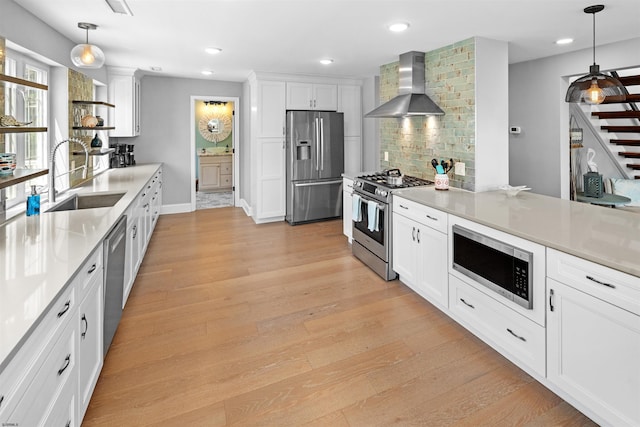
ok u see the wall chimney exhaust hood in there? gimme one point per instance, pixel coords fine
(411, 99)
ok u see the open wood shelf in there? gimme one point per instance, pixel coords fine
(94, 128)
(21, 175)
(11, 79)
(106, 104)
(95, 152)
(21, 129)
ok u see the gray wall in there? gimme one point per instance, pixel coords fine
(165, 128)
(539, 156)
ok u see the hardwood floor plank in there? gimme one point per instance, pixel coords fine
(233, 323)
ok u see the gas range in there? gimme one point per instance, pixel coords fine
(375, 185)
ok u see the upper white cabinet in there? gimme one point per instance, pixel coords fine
(347, 208)
(312, 96)
(124, 92)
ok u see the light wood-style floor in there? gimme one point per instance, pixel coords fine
(234, 324)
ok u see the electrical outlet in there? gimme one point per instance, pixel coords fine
(386, 156)
(460, 169)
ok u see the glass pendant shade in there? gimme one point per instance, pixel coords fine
(87, 56)
(595, 86)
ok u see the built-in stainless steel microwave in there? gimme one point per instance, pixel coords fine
(499, 266)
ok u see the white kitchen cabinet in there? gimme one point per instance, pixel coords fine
(57, 373)
(516, 337)
(268, 144)
(124, 93)
(420, 249)
(312, 96)
(350, 104)
(22, 375)
(132, 250)
(347, 208)
(593, 344)
(156, 198)
(90, 357)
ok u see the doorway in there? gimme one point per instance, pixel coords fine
(214, 152)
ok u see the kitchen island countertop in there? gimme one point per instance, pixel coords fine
(606, 236)
(40, 254)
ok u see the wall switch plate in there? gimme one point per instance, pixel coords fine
(460, 169)
(386, 156)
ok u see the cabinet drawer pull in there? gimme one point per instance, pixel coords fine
(413, 234)
(516, 335)
(466, 303)
(92, 269)
(67, 305)
(135, 231)
(551, 300)
(1, 400)
(86, 326)
(418, 236)
(608, 285)
(403, 207)
(67, 361)
(432, 218)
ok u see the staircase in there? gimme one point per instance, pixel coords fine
(624, 133)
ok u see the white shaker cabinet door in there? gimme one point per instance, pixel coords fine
(593, 354)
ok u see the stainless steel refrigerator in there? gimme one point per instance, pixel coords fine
(315, 163)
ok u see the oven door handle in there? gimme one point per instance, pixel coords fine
(365, 199)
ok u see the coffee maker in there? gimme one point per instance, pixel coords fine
(122, 156)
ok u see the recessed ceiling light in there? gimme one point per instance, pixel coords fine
(564, 41)
(207, 72)
(326, 61)
(398, 27)
(120, 6)
(213, 50)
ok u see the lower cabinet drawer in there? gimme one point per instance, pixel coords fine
(225, 180)
(58, 369)
(516, 337)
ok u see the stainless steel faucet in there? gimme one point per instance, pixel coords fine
(52, 187)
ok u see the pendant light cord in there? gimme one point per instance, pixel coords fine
(594, 38)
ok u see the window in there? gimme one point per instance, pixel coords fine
(26, 105)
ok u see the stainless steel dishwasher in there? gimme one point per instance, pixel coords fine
(114, 257)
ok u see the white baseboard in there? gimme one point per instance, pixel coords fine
(177, 208)
(245, 206)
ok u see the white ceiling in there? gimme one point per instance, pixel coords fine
(291, 36)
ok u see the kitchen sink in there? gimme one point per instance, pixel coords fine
(88, 201)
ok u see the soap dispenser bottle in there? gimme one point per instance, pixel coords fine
(33, 202)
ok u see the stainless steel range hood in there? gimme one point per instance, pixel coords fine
(411, 99)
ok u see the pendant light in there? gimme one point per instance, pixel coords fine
(86, 55)
(595, 86)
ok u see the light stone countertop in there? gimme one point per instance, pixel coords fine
(606, 236)
(40, 254)
(213, 154)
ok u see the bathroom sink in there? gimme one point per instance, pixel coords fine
(88, 201)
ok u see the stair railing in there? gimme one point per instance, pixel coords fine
(578, 113)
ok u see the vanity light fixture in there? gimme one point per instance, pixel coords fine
(594, 87)
(399, 27)
(120, 6)
(215, 103)
(326, 61)
(85, 55)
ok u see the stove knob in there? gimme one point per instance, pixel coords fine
(383, 193)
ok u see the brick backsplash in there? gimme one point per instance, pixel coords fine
(413, 142)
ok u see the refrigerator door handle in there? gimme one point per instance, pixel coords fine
(317, 144)
(316, 183)
(321, 144)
